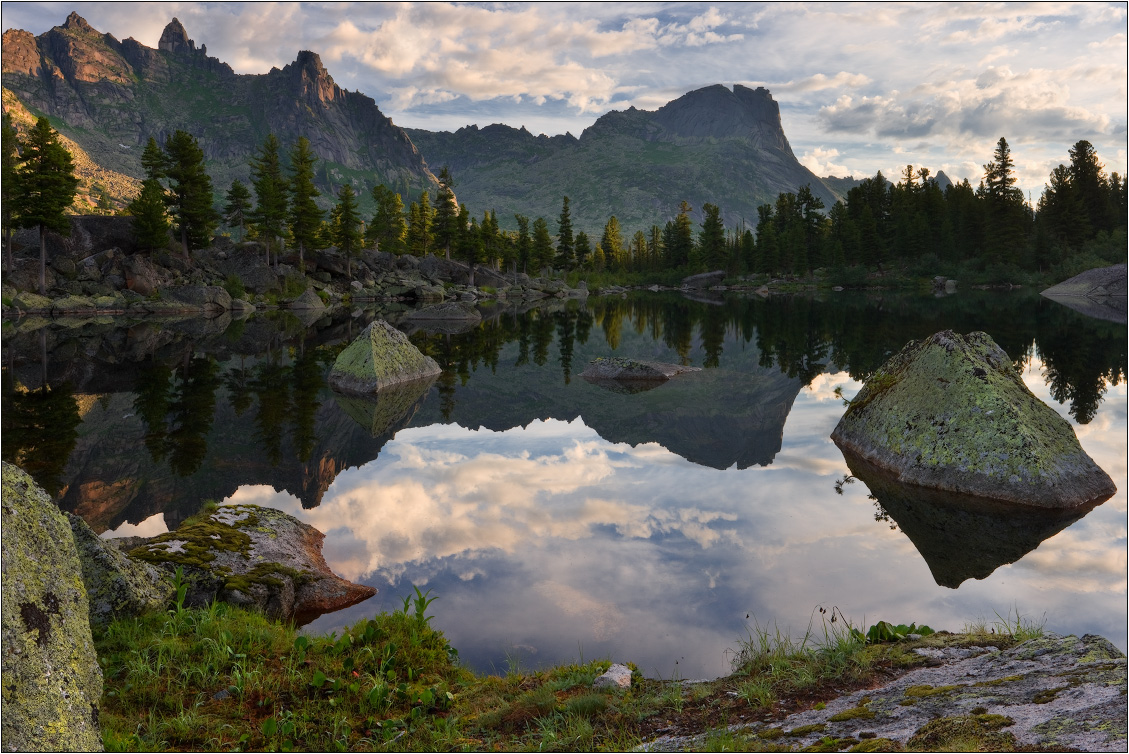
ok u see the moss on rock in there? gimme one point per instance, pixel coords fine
(379, 357)
(951, 412)
(52, 683)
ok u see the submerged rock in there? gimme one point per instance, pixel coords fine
(253, 556)
(951, 412)
(704, 280)
(52, 681)
(115, 584)
(379, 357)
(619, 368)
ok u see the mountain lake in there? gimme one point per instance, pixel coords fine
(556, 519)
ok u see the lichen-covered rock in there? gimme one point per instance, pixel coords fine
(379, 357)
(254, 557)
(31, 302)
(616, 677)
(389, 409)
(1052, 693)
(619, 368)
(307, 299)
(205, 298)
(704, 279)
(1099, 293)
(951, 412)
(115, 584)
(52, 683)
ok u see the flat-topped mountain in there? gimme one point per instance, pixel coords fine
(110, 96)
(718, 145)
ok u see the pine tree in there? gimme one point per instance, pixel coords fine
(683, 237)
(542, 245)
(565, 258)
(583, 250)
(305, 216)
(388, 228)
(524, 243)
(612, 244)
(711, 240)
(271, 193)
(45, 187)
(190, 191)
(1006, 213)
(446, 212)
(10, 143)
(150, 218)
(347, 227)
(154, 160)
(238, 206)
(419, 226)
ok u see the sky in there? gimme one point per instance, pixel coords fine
(861, 87)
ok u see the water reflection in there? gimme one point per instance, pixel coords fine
(959, 536)
(647, 522)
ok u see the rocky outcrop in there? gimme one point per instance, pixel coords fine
(951, 412)
(116, 585)
(252, 556)
(1099, 293)
(210, 299)
(52, 681)
(448, 317)
(1052, 693)
(379, 357)
(308, 300)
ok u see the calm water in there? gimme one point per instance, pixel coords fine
(557, 519)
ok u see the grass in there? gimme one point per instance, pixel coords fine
(222, 678)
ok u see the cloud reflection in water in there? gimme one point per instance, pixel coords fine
(546, 541)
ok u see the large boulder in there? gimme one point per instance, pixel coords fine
(620, 368)
(449, 317)
(206, 298)
(52, 683)
(307, 299)
(379, 357)
(254, 557)
(141, 275)
(115, 584)
(951, 412)
(1099, 293)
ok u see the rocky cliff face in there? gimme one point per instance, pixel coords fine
(111, 96)
(718, 145)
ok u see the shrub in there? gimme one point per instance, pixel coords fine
(234, 286)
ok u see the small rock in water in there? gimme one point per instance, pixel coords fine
(617, 677)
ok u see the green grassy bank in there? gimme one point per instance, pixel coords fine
(224, 679)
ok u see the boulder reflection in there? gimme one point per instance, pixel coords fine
(959, 536)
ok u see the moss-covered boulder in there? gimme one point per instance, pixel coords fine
(115, 584)
(253, 557)
(951, 412)
(619, 368)
(379, 357)
(52, 683)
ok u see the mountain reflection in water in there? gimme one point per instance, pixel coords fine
(549, 512)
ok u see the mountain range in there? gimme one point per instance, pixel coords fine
(107, 97)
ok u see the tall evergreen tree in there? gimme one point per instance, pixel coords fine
(346, 232)
(1006, 214)
(682, 240)
(542, 255)
(10, 144)
(271, 193)
(524, 243)
(190, 191)
(566, 257)
(45, 187)
(305, 216)
(419, 226)
(711, 240)
(446, 212)
(612, 244)
(583, 250)
(150, 218)
(1090, 185)
(387, 229)
(153, 160)
(238, 206)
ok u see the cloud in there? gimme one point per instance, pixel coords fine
(819, 161)
(819, 82)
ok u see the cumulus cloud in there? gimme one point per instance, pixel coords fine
(821, 162)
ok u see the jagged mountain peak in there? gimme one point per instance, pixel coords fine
(719, 112)
(175, 39)
(77, 22)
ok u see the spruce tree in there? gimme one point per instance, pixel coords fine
(153, 160)
(566, 258)
(10, 143)
(711, 240)
(683, 238)
(238, 206)
(583, 249)
(150, 217)
(524, 243)
(190, 191)
(271, 193)
(347, 227)
(542, 255)
(446, 212)
(388, 228)
(305, 216)
(612, 244)
(45, 187)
